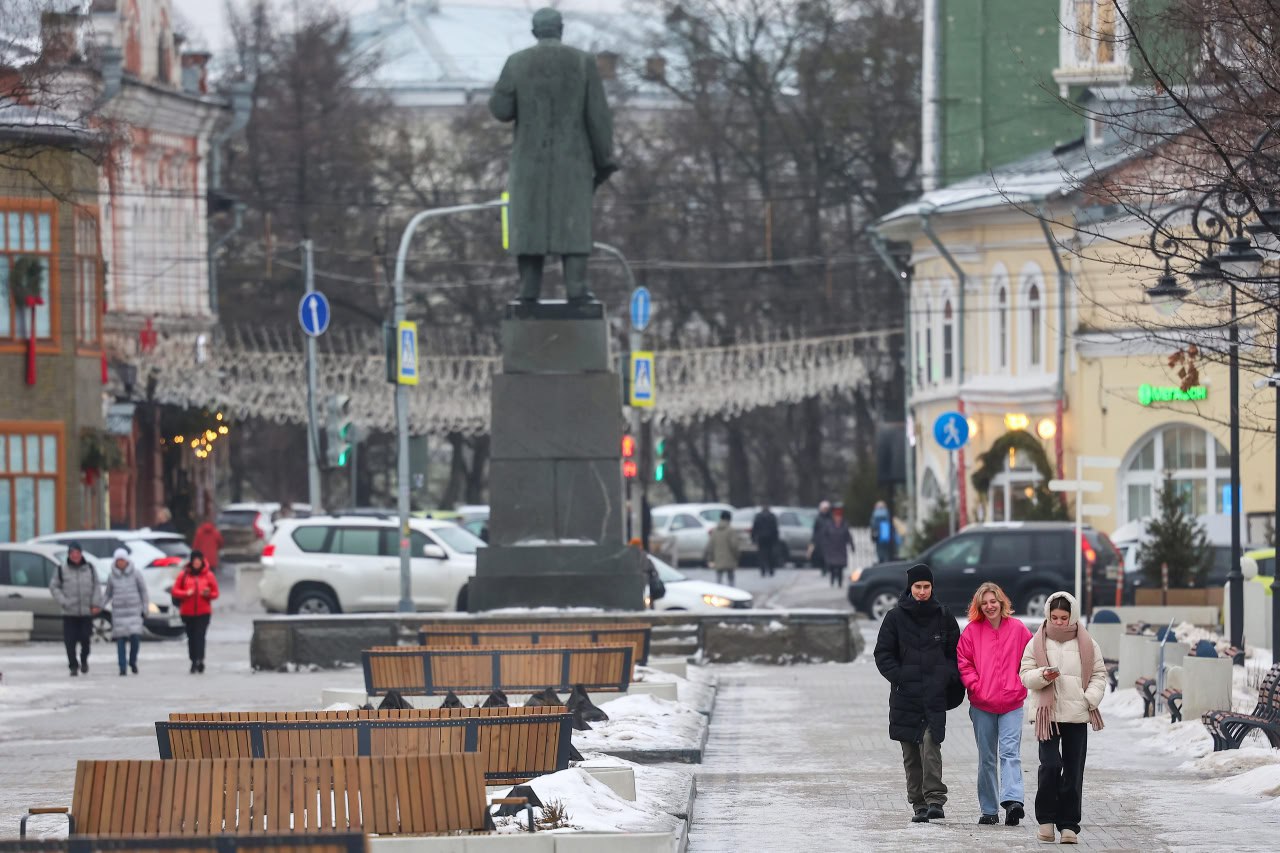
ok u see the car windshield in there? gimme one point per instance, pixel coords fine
(665, 572)
(461, 540)
(237, 517)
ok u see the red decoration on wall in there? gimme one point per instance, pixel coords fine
(32, 302)
(89, 476)
(147, 338)
(104, 367)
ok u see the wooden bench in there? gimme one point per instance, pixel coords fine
(329, 842)
(417, 671)
(515, 744)
(1229, 728)
(405, 795)
(561, 635)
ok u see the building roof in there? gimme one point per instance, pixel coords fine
(42, 123)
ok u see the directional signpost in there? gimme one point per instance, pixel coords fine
(1082, 487)
(951, 430)
(313, 314)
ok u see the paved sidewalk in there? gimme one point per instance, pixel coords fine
(799, 758)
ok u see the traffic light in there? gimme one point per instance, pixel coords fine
(630, 467)
(339, 430)
(659, 459)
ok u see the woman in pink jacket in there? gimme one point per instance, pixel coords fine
(989, 655)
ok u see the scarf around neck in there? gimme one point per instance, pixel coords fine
(1045, 700)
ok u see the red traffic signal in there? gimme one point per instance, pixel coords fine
(628, 447)
(630, 467)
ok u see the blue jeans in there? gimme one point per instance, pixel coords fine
(998, 736)
(132, 642)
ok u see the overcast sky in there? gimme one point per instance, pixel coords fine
(207, 18)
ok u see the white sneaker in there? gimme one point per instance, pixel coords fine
(1068, 837)
(1045, 833)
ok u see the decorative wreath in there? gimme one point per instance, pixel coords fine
(25, 281)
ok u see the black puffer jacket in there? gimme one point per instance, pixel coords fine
(916, 652)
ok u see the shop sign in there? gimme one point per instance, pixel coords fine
(1148, 394)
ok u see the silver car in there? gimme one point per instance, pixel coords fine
(681, 531)
(795, 530)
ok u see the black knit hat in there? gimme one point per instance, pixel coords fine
(919, 572)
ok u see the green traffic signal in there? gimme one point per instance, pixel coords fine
(659, 471)
(659, 462)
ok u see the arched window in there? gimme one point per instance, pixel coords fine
(947, 335)
(1033, 329)
(1002, 328)
(1199, 464)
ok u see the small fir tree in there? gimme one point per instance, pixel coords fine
(1175, 537)
(934, 527)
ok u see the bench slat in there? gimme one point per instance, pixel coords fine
(513, 669)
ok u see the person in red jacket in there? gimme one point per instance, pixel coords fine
(989, 655)
(208, 541)
(194, 590)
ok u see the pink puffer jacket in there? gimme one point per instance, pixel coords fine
(989, 661)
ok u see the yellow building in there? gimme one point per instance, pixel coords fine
(1064, 354)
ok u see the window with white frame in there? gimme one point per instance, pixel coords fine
(28, 276)
(1002, 327)
(1198, 463)
(1033, 325)
(1031, 320)
(1092, 43)
(948, 333)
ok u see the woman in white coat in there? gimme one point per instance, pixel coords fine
(127, 595)
(1062, 667)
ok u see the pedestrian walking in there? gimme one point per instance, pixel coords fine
(989, 658)
(208, 541)
(916, 653)
(195, 590)
(832, 541)
(75, 587)
(723, 549)
(885, 533)
(164, 521)
(764, 533)
(127, 595)
(1063, 667)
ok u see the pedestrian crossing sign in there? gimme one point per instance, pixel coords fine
(407, 353)
(642, 391)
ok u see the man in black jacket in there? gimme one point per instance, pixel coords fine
(764, 532)
(916, 653)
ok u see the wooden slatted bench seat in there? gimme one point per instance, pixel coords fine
(515, 744)
(1229, 728)
(564, 635)
(405, 795)
(329, 842)
(418, 671)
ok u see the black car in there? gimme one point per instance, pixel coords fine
(1029, 560)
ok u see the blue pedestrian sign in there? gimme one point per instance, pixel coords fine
(951, 430)
(642, 391)
(407, 353)
(641, 308)
(313, 314)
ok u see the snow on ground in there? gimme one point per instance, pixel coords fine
(643, 722)
(591, 806)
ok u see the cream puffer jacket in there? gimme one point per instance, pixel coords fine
(1075, 695)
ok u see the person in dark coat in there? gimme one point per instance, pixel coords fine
(916, 653)
(832, 540)
(79, 595)
(563, 150)
(764, 532)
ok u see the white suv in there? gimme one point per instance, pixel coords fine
(352, 564)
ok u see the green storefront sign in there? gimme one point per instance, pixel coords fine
(1148, 394)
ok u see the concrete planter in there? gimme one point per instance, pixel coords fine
(1206, 686)
(16, 626)
(1139, 658)
(1108, 637)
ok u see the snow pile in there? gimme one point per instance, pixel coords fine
(590, 806)
(1229, 762)
(341, 706)
(643, 722)
(1261, 781)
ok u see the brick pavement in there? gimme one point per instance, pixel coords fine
(799, 758)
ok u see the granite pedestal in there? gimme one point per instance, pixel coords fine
(556, 510)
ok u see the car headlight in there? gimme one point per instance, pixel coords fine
(648, 602)
(152, 608)
(716, 600)
(855, 575)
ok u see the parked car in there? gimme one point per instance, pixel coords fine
(339, 564)
(159, 555)
(26, 570)
(1129, 539)
(795, 530)
(685, 593)
(1265, 560)
(1030, 560)
(680, 531)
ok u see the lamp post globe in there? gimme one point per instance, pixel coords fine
(1167, 295)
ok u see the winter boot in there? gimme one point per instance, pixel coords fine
(936, 812)
(989, 820)
(920, 816)
(1068, 837)
(1013, 812)
(1045, 833)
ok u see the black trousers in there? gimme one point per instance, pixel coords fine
(197, 628)
(77, 630)
(767, 553)
(1061, 778)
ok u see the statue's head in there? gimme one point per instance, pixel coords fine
(547, 24)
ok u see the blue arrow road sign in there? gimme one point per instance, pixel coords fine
(313, 314)
(951, 430)
(641, 308)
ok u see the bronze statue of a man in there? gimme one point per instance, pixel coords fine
(563, 150)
